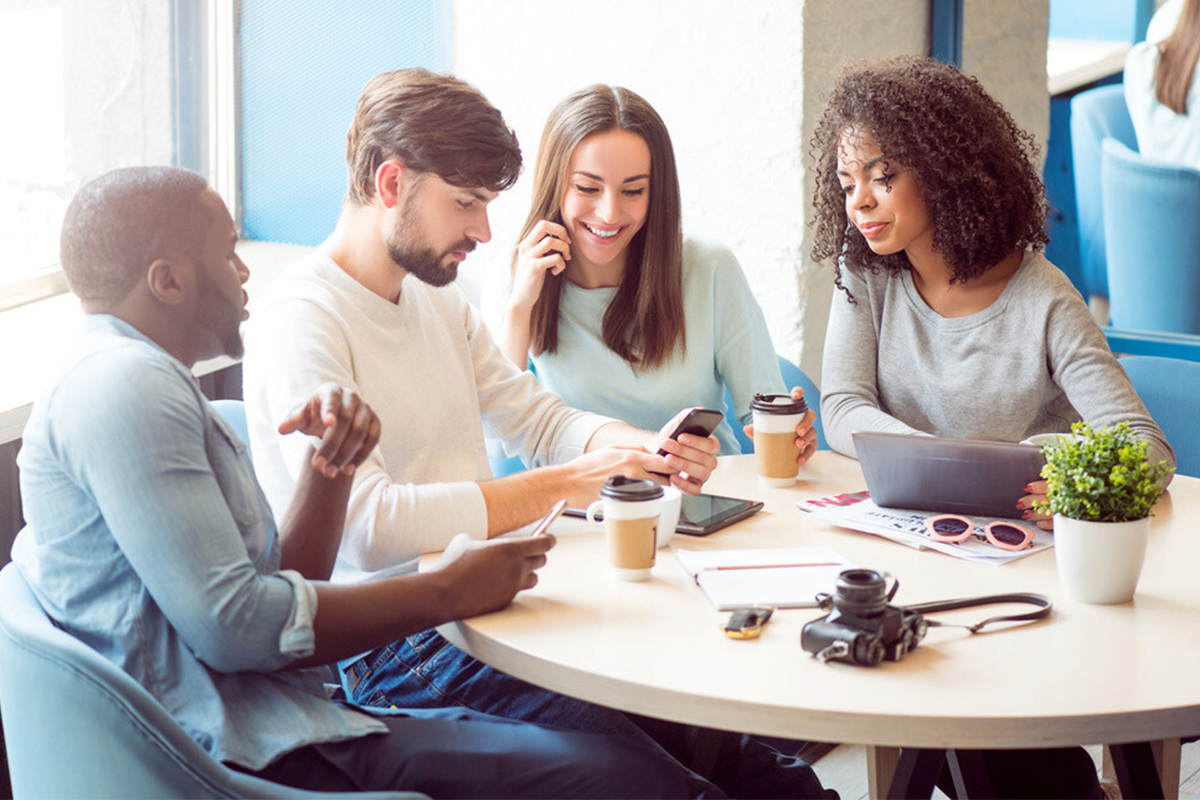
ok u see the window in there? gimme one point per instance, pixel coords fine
(93, 86)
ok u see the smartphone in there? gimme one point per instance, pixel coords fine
(699, 422)
(702, 514)
(545, 522)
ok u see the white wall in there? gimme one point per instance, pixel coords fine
(876, 29)
(740, 84)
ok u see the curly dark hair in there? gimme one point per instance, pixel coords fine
(976, 168)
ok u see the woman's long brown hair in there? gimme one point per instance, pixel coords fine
(1177, 59)
(644, 322)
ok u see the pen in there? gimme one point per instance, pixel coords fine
(772, 566)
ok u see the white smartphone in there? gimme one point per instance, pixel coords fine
(545, 522)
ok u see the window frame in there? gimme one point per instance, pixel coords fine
(203, 61)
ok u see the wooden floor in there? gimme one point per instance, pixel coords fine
(845, 769)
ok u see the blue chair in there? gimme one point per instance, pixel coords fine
(1096, 114)
(234, 413)
(75, 725)
(502, 464)
(1168, 387)
(792, 376)
(1152, 241)
(1153, 343)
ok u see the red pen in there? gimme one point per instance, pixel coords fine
(773, 566)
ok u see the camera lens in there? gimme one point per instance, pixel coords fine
(860, 591)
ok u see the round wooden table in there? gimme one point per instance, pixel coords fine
(1088, 674)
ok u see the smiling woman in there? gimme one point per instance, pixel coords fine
(604, 206)
(617, 311)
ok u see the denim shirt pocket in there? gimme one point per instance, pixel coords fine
(234, 471)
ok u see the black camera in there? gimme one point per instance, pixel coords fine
(862, 628)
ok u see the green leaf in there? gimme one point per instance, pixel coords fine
(1101, 474)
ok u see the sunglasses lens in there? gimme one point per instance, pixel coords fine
(949, 527)
(1009, 534)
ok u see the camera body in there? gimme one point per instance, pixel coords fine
(862, 627)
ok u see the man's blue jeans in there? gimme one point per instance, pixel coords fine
(427, 671)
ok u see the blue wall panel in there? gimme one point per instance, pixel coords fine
(302, 66)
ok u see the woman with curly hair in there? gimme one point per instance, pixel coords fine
(619, 313)
(951, 321)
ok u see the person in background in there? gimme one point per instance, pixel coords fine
(950, 321)
(617, 311)
(375, 309)
(149, 539)
(1161, 87)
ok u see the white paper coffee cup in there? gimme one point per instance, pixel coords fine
(776, 455)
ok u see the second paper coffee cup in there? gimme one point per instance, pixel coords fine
(776, 455)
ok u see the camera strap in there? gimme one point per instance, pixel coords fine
(1044, 607)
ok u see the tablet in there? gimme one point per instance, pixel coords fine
(958, 476)
(702, 514)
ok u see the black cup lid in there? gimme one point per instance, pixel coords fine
(631, 490)
(778, 404)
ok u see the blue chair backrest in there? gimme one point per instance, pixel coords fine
(234, 413)
(75, 725)
(1168, 387)
(1095, 115)
(792, 376)
(500, 463)
(1152, 236)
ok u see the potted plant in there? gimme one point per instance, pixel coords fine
(1100, 489)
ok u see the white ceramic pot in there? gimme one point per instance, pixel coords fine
(1099, 562)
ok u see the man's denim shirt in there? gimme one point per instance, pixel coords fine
(149, 539)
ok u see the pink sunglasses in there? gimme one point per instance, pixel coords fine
(953, 528)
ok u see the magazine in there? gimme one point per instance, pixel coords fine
(856, 511)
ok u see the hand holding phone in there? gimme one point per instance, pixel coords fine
(698, 422)
(545, 522)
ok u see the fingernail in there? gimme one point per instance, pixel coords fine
(1025, 515)
(1029, 488)
(348, 469)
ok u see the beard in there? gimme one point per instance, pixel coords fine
(424, 264)
(220, 316)
(418, 259)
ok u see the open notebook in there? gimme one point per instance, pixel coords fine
(788, 577)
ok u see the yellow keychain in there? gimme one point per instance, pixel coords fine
(747, 623)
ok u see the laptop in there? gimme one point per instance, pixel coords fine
(952, 476)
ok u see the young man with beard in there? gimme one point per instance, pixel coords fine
(150, 540)
(374, 308)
